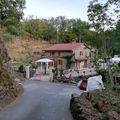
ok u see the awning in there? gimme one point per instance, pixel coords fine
(45, 60)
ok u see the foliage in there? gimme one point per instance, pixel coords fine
(100, 17)
(61, 72)
(115, 38)
(6, 35)
(11, 12)
(95, 61)
(115, 68)
(79, 27)
(21, 69)
(105, 76)
(55, 72)
(102, 20)
(68, 37)
(92, 38)
(115, 107)
(59, 29)
(69, 60)
(37, 29)
(34, 66)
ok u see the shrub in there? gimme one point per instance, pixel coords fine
(104, 74)
(21, 69)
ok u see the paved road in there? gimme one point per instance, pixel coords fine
(41, 101)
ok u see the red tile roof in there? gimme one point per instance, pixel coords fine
(64, 47)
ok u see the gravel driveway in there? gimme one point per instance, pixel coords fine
(41, 101)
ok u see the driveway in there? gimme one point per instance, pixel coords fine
(41, 101)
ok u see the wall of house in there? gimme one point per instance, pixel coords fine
(57, 53)
(77, 52)
(80, 64)
(81, 52)
(87, 52)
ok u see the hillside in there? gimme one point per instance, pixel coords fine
(25, 50)
(9, 89)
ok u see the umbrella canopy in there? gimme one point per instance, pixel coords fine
(45, 60)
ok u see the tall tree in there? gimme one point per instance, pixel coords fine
(59, 30)
(61, 27)
(38, 29)
(11, 12)
(115, 38)
(101, 19)
(78, 28)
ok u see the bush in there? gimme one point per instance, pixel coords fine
(104, 74)
(34, 66)
(21, 69)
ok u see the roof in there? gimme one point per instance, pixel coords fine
(44, 60)
(64, 47)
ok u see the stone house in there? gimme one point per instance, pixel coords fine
(82, 54)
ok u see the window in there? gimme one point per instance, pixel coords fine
(81, 53)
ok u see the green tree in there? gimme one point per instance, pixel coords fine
(11, 12)
(61, 27)
(78, 28)
(49, 32)
(115, 38)
(92, 38)
(59, 30)
(38, 29)
(101, 20)
(69, 60)
(68, 36)
(32, 28)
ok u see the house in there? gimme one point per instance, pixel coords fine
(82, 54)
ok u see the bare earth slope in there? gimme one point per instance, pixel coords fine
(25, 49)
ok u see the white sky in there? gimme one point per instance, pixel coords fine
(54, 8)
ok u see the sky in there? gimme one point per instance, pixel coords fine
(54, 8)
